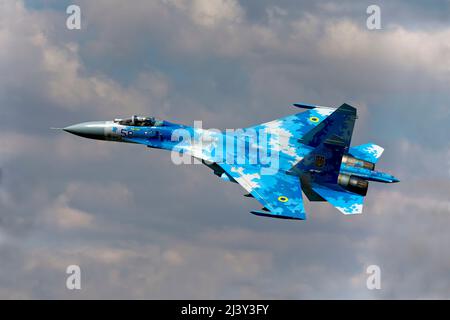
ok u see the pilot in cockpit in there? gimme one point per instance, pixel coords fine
(139, 121)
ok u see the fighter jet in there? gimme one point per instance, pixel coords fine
(306, 152)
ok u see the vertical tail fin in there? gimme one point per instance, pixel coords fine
(331, 140)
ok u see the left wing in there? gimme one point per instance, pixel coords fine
(280, 194)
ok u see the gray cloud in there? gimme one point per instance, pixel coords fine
(141, 227)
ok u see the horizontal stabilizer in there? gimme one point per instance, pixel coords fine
(368, 152)
(345, 201)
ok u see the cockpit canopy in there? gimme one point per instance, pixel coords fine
(140, 121)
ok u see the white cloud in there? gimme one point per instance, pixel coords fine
(141, 233)
(61, 215)
(208, 13)
(396, 47)
(13, 145)
(54, 71)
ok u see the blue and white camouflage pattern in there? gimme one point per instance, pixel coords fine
(369, 152)
(274, 161)
(344, 201)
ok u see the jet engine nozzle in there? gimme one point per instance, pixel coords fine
(354, 184)
(354, 162)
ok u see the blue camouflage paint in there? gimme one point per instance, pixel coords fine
(344, 201)
(273, 161)
(369, 152)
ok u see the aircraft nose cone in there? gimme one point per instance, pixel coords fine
(91, 130)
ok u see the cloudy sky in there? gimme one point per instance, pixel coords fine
(141, 227)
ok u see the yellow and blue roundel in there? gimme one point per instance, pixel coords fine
(283, 199)
(314, 119)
